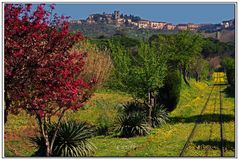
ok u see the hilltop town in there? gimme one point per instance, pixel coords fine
(119, 20)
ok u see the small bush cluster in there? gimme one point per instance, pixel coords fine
(103, 125)
(159, 116)
(132, 124)
(71, 140)
(132, 120)
(105, 118)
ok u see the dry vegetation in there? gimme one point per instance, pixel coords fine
(98, 63)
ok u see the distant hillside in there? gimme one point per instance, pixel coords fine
(95, 30)
(110, 24)
(224, 35)
(106, 30)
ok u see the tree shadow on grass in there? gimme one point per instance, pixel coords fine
(229, 91)
(220, 84)
(206, 118)
(215, 144)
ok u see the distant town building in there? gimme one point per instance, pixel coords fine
(144, 24)
(129, 21)
(225, 24)
(75, 22)
(229, 23)
(182, 26)
(169, 26)
(108, 16)
(134, 21)
(90, 19)
(192, 26)
(120, 21)
(154, 25)
(116, 14)
(157, 25)
(218, 35)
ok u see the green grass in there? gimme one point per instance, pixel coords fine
(101, 104)
(167, 140)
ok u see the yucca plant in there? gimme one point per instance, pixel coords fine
(71, 140)
(159, 112)
(134, 106)
(159, 115)
(132, 124)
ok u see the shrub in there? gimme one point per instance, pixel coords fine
(98, 63)
(134, 106)
(229, 64)
(135, 115)
(104, 116)
(103, 125)
(71, 140)
(159, 116)
(133, 119)
(169, 94)
(132, 124)
(159, 113)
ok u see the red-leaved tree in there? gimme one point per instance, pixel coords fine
(41, 75)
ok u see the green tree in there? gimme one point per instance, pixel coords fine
(199, 68)
(180, 49)
(140, 75)
(213, 47)
(229, 64)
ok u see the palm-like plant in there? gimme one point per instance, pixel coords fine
(134, 106)
(132, 121)
(159, 112)
(71, 140)
(130, 125)
(159, 115)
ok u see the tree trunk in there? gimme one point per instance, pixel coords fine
(197, 78)
(185, 76)
(44, 133)
(150, 108)
(48, 148)
(189, 75)
(151, 102)
(150, 115)
(7, 104)
(56, 130)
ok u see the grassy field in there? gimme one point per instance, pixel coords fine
(167, 140)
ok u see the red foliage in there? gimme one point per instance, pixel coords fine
(41, 74)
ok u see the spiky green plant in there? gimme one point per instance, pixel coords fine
(159, 112)
(71, 140)
(134, 106)
(132, 124)
(159, 116)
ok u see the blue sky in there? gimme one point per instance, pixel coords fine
(173, 13)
